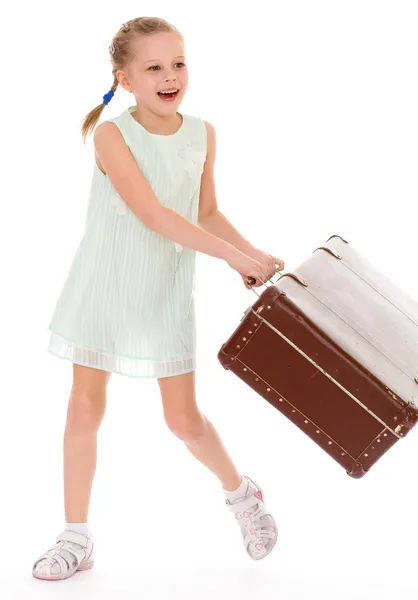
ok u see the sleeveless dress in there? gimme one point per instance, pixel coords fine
(127, 304)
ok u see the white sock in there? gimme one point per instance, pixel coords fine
(239, 493)
(82, 528)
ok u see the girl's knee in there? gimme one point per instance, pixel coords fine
(186, 425)
(86, 410)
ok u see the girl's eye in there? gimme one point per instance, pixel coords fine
(157, 66)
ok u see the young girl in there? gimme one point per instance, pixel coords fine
(127, 305)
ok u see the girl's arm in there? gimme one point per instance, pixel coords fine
(217, 224)
(210, 218)
(121, 168)
(213, 221)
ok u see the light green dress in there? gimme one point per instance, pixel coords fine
(127, 304)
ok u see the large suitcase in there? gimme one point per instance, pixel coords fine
(334, 347)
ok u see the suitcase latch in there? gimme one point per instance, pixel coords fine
(330, 251)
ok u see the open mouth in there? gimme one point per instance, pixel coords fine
(168, 95)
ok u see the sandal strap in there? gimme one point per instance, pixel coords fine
(248, 537)
(261, 530)
(64, 566)
(72, 536)
(243, 504)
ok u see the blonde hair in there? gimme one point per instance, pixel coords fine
(121, 54)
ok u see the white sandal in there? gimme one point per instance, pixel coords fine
(258, 527)
(72, 552)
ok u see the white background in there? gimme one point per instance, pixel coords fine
(315, 108)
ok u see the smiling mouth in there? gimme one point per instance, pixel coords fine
(168, 94)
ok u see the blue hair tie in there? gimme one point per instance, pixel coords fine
(108, 97)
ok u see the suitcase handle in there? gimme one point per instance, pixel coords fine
(252, 280)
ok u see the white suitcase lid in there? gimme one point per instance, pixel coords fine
(363, 311)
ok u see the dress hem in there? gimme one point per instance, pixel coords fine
(105, 361)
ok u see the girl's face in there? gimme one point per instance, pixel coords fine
(159, 64)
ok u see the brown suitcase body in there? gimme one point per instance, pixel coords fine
(334, 347)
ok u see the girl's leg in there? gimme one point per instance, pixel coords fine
(73, 550)
(86, 408)
(258, 527)
(188, 423)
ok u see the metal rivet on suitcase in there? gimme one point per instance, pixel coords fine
(306, 421)
(256, 378)
(245, 369)
(366, 455)
(342, 453)
(268, 389)
(330, 443)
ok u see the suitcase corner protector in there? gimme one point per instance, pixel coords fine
(224, 358)
(357, 471)
(408, 417)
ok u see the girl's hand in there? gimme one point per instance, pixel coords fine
(271, 265)
(246, 265)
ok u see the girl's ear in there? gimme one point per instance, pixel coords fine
(123, 81)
